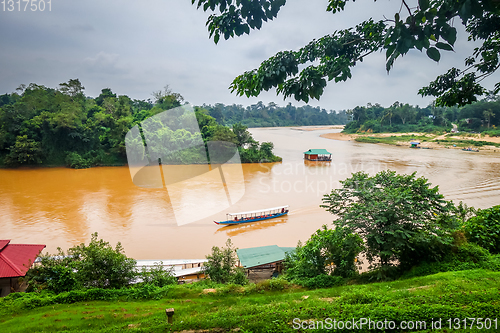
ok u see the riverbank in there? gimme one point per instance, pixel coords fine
(316, 128)
(270, 306)
(427, 140)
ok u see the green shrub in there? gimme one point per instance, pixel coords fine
(221, 263)
(157, 275)
(327, 252)
(239, 276)
(494, 132)
(463, 257)
(44, 298)
(96, 265)
(470, 252)
(484, 228)
(74, 160)
(321, 281)
(278, 283)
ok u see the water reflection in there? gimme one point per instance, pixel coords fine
(62, 207)
(317, 164)
(239, 229)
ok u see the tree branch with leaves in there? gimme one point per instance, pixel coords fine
(426, 26)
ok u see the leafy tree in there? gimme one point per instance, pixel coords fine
(54, 273)
(487, 115)
(98, 265)
(484, 228)
(392, 213)
(166, 99)
(105, 93)
(73, 88)
(327, 252)
(427, 26)
(24, 151)
(243, 136)
(221, 265)
(158, 275)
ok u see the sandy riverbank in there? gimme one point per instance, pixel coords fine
(426, 144)
(316, 128)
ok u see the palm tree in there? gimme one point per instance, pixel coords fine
(487, 115)
(389, 113)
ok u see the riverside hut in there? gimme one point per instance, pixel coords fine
(318, 155)
(414, 144)
(15, 260)
(266, 260)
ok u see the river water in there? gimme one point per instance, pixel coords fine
(61, 207)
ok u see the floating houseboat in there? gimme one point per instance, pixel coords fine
(255, 215)
(318, 155)
(414, 144)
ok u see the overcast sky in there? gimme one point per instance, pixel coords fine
(137, 47)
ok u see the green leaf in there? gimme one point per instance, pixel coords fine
(444, 46)
(423, 4)
(390, 50)
(433, 53)
(450, 35)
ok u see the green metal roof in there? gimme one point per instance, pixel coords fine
(317, 152)
(256, 256)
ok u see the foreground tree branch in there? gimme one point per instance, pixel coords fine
(427, 26)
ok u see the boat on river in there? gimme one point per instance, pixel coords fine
(470, 149)
(414, 144)
(255, 215)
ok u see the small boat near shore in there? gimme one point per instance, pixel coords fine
(255, 215)
(470, 149)
(414, 144)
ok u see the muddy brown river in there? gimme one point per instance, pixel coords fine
(61, 207)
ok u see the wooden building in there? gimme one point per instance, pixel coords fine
(15, 260)
(318, 155)
(263, 258)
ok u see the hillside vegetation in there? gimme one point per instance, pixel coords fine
(271, 306)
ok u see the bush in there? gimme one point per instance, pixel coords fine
(372, 126)
(97, 265)
(495, 132)
(484, 228)
(221, 263)
(34, 300)
(274, 284)
(157, 275)
(463, 257)
(320, 281)
(74, 160)
(327, 252)
(278, 283)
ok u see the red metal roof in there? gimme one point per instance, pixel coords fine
(16, 259)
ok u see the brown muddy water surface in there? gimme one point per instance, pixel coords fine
(62, 207)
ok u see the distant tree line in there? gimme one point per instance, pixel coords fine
(46, 126)
(272, 115)
(481, 116)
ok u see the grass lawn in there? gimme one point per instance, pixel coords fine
(462, 294)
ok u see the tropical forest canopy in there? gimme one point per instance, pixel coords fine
(482, 116)
(272, 115)
(427, 26)
(41, 125)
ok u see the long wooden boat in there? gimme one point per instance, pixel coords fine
(255, 215)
